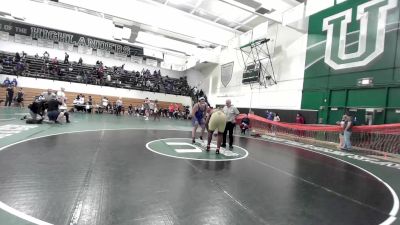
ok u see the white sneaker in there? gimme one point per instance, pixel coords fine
(147, 118)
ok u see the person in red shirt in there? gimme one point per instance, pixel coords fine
(171, 110)
(300, 118)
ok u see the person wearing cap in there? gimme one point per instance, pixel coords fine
(198, 118)
(230, 112)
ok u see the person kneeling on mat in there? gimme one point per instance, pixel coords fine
(35, 109)
(216, 121)
(53, 110)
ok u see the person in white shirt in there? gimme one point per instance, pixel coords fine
(119, 106)
(104, 102)
(81, 100)
(61, 97)
(230, 112)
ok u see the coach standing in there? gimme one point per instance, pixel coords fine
(230, 112)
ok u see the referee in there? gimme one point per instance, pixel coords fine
(230, 112)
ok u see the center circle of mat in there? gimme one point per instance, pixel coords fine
(182, 148)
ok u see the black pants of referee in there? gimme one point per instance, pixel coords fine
(228, 128)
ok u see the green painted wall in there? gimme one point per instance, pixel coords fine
(325, 88)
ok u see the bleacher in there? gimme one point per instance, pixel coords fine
(37, 67)
(30, 93)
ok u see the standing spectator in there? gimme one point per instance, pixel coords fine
(270, 116)
(300, 119)
(46, 56)
(66, 58)
(230, 112)
(341, 134)
(244, 124)
(171, 110)
(9, 95)
(156, 111)
(80, 62)
(348, 125)
(118, 106)
(276, 119)
(146, 106)
(20, 98)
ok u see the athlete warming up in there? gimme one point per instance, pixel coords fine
(198, 118)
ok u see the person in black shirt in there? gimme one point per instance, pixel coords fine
(20, 98)
(130, 109)
(53, 111)
(66, 58)
(35, 109)
(9, 95)
(17, 57)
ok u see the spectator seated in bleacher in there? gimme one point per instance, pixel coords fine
(7, 61)
(18, 68)
(14, 82)
(17, 58)
(145, 80)
(244, 124)
(6, 82)
(1, 68)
